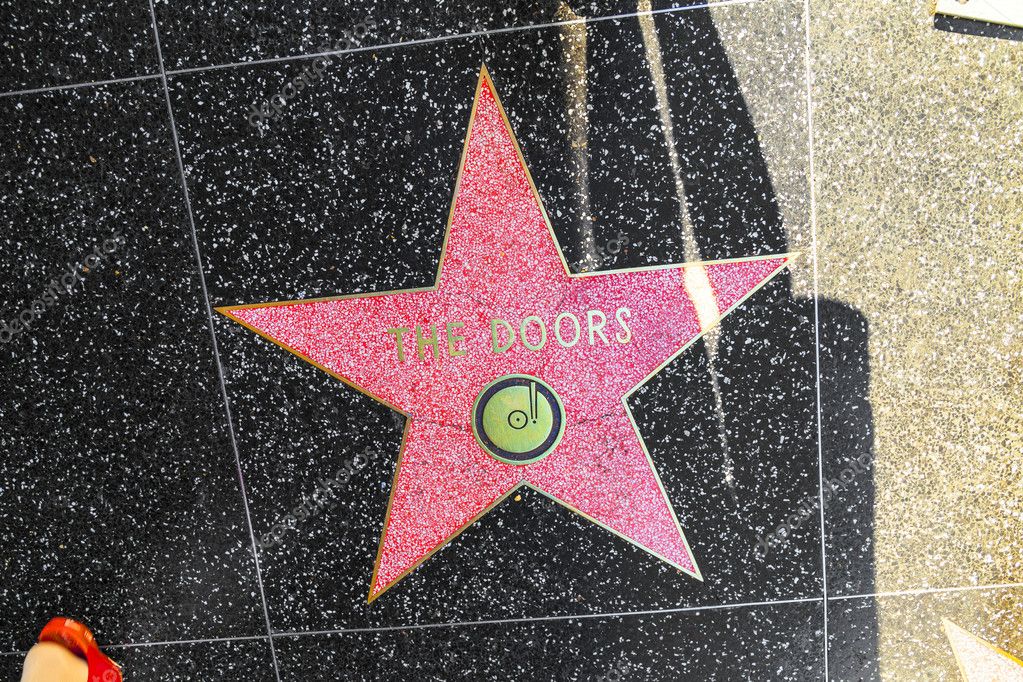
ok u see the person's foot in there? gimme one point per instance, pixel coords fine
(50, 662)
(67, 652)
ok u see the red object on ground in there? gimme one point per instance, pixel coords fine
(78, 639)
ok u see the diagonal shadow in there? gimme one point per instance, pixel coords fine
(766, 359)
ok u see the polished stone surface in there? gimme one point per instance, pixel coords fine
(919, 229)
(59, 42)
(779, 642)
(119, 495)
(228, 661)
(902, 637)
(255, 192)
(129, 485)
(917, 170)
(196, 34)
(10, 665)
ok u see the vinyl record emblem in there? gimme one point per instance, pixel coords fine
(518, 419)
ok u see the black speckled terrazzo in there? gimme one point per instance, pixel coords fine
(146, 439)
(780, 642)
(57, 42)
(196, 34)
(345, 191)
(231, 661)
(119, 497)
(217, 661)
(10, 666)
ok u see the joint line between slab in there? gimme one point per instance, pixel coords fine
(808, 74)
(163, 73)
(547, 619)
(213, 335)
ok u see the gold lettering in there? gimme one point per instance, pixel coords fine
(497, 348)
(427, 341)
(398, 333)
(620, 314)
(557, 329)
(543, 332)
(454, 338)
(598, 329)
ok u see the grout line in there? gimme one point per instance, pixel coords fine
(816, 325)
(470, 34)
(547, 619)
(72, 86)
(427, 626)
(213, 336)
(581, 616)
(172, 642)
(496, 621)
(383, 46)
(926, 590)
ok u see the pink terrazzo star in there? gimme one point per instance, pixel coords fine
(501, 262)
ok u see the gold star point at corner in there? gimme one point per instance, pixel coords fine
(978, 659)
(506, 321)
